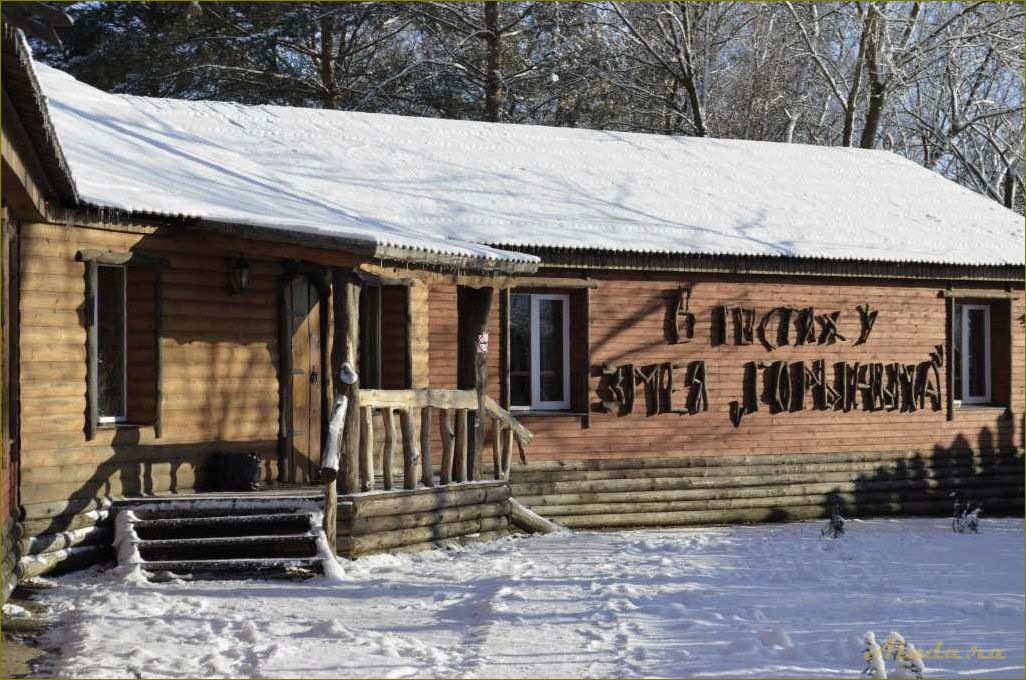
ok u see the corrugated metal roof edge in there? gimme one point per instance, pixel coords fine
(368, 247)
(745, 263)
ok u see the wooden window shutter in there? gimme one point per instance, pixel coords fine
(580, 353)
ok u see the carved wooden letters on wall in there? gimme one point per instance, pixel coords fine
(659, 383)
(786, 386)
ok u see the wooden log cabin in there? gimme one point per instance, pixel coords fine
(632, 330)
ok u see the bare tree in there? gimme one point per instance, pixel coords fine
(937, 82)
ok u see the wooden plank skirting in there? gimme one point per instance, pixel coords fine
(415, 519)
(599, 493)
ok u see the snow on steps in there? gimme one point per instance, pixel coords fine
(241, 536)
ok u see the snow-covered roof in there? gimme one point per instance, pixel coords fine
(471, 189)
(28, 104)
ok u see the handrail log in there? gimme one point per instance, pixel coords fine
(423, 398)
(522, 434)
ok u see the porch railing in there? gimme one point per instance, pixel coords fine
(459, 411)
(416, 410)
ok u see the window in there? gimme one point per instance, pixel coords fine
(972, 361)
(125, 322)
(384, 312)
(539, 363)
(111, 324)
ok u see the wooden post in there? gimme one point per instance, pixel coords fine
(459, 462)
(507, 453)
(949, 358)
(367, 448)
(330, 521)
(158, 350)
(332, 454)
(92, 350)
(496, 449)
(346, 288)
(388, 453)
(505, 397)
(586, 396)
(411, 450)
(427, 475)
(329, 475)
(445, 429)
(481, 378)
(1010, 341)
(473, 306)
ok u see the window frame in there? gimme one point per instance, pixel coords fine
(537, 404)
(93, 260)
(962, 310)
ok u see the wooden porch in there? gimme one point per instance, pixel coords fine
(465, 420)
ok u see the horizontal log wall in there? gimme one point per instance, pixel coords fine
(718, 489)
(413, 520)
(220, 367)
(628, 317)
(419, 330)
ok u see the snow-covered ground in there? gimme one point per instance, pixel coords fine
(769, 600)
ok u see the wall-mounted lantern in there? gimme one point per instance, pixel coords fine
(238, 274)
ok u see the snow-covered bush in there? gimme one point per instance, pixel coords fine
(874, 658)
(835, 526)
(965, 518)
(906, 660)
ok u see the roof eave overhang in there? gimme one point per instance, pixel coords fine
(27, 99)
(98, 216)
(771, 265)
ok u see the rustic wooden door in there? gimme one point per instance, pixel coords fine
(303, 438)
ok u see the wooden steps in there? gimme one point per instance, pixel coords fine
(219, 537)
(231, 525)
(221, 568)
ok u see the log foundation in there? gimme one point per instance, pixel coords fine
(423, 518)
(606, 493)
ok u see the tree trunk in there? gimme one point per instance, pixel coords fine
(493, 82)
(874, 114)
(690, 79)
(670, 115)
(848, 134)
(1008, 185)
(330, 97)
(877, 83)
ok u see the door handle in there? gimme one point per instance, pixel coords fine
(314, 375)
